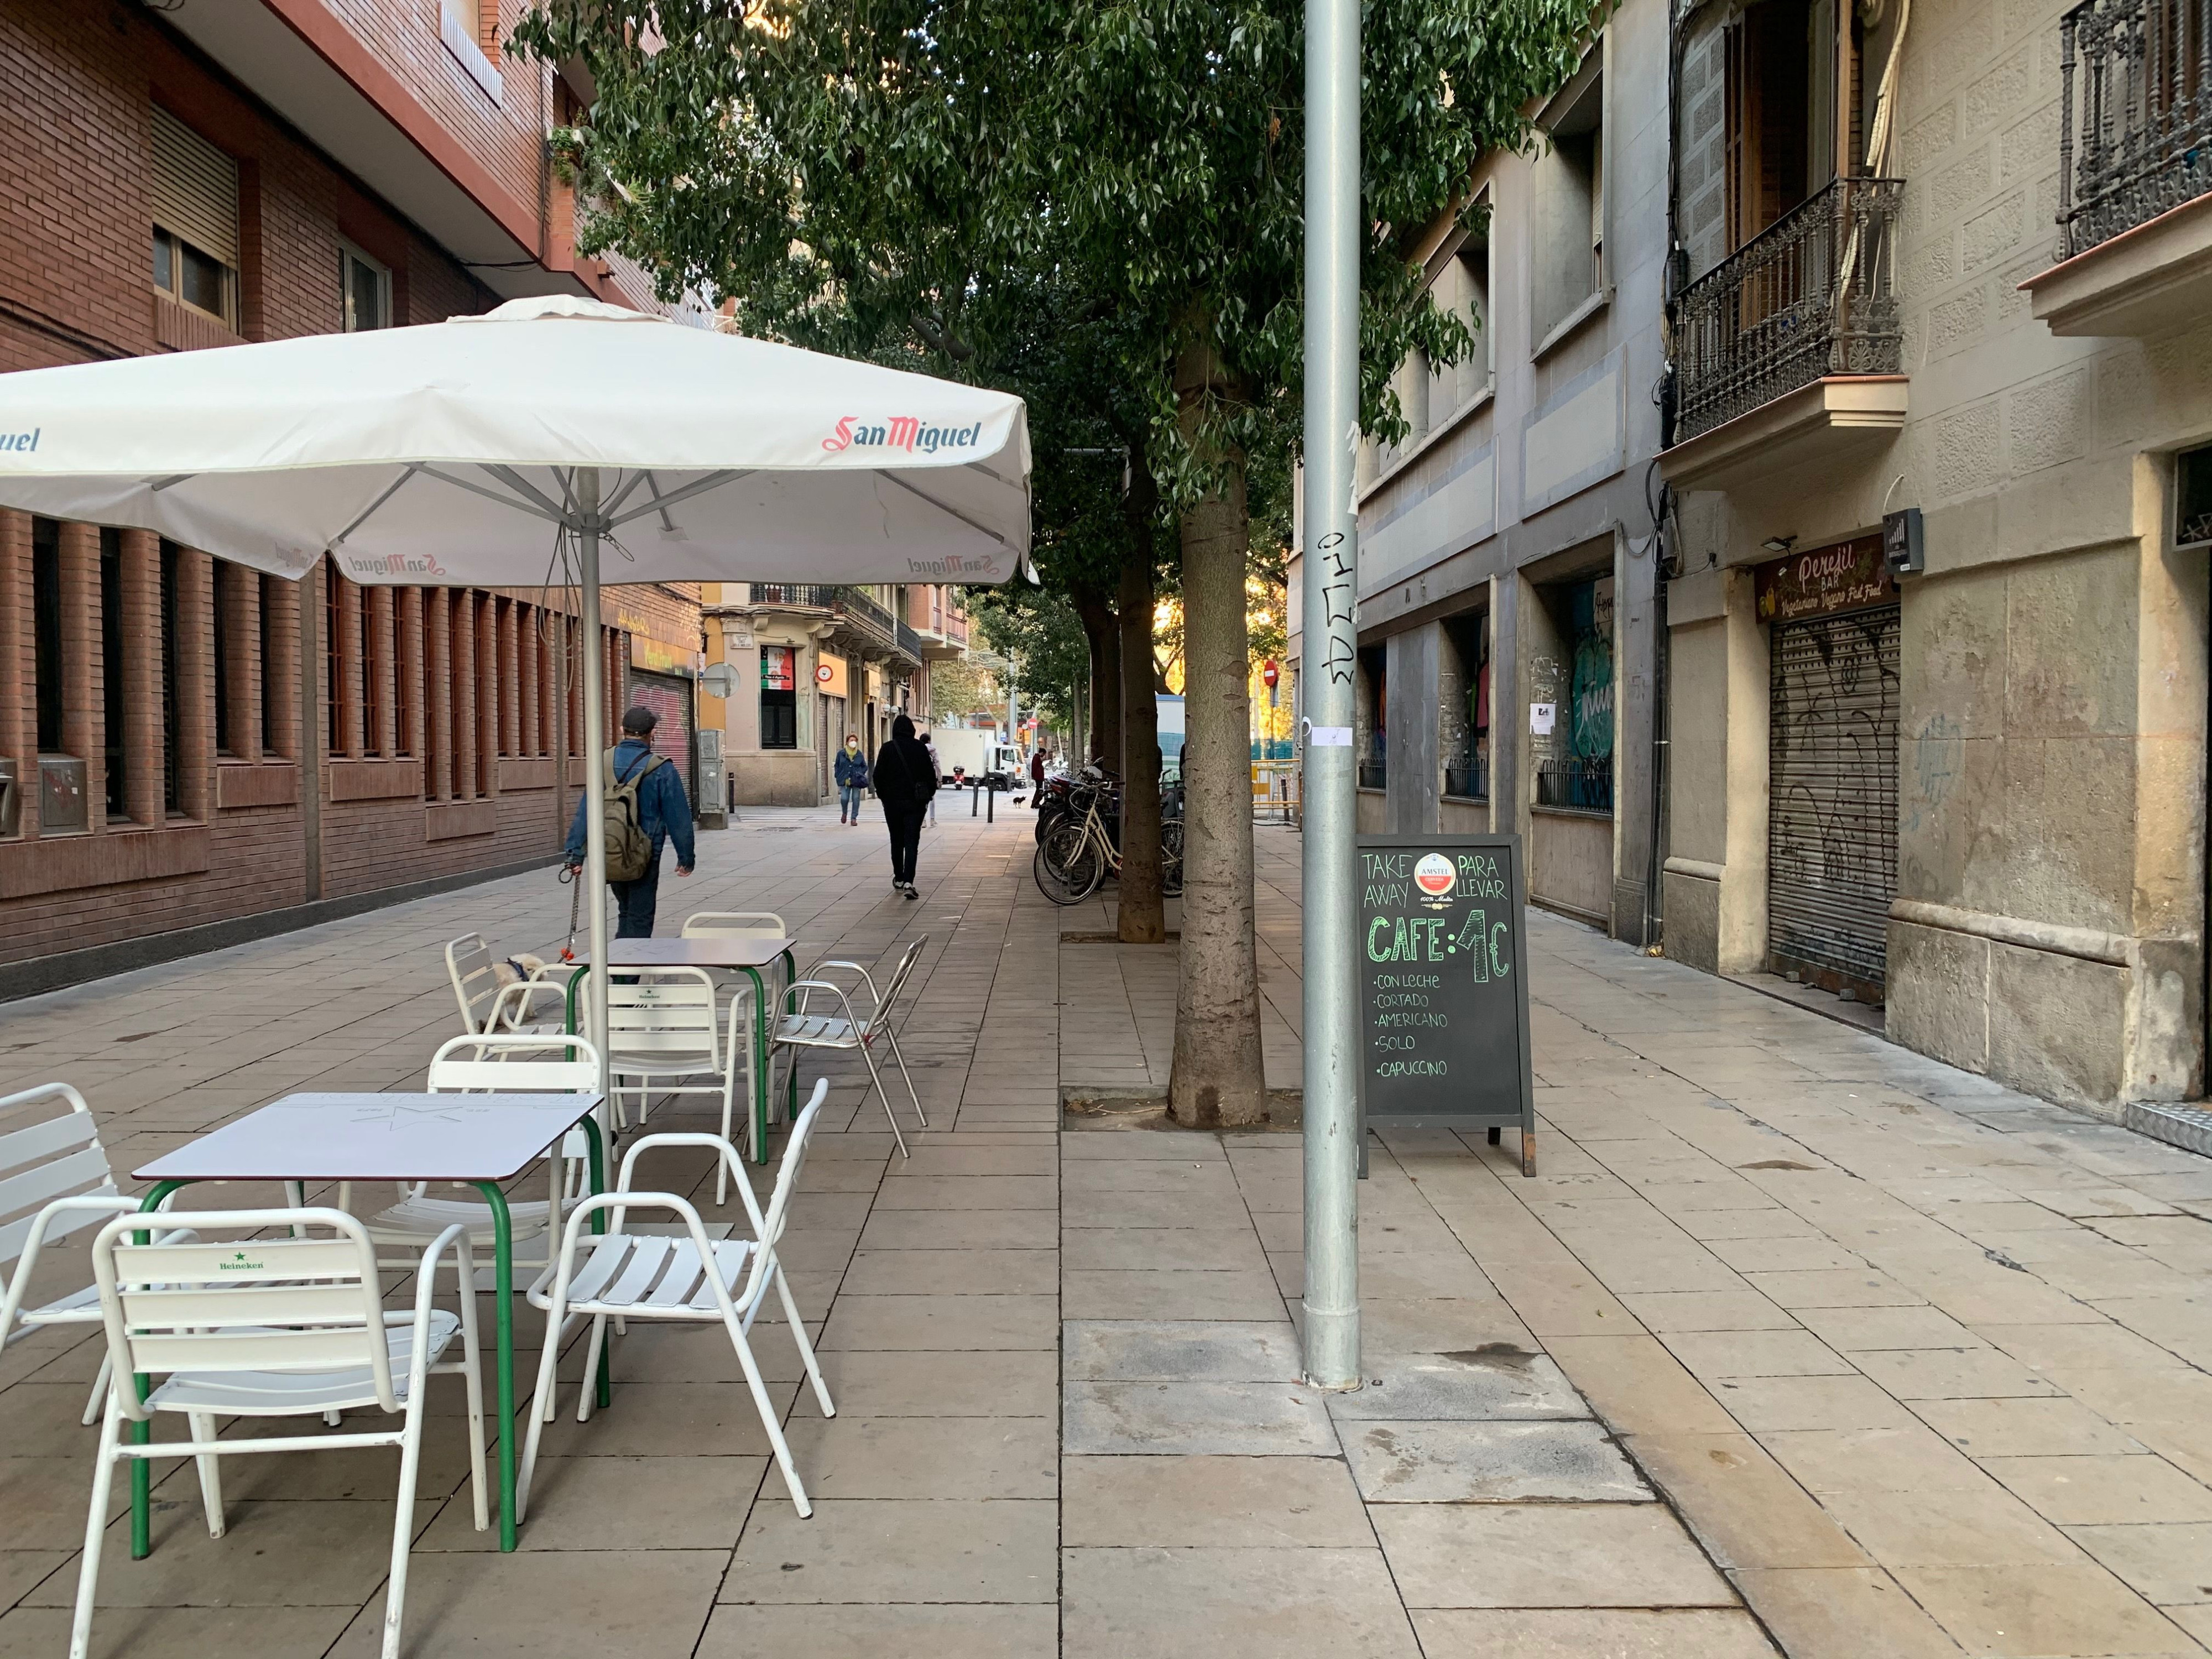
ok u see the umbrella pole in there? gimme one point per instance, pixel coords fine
(595, 743)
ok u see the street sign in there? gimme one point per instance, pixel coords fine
(1269, 673)
(1443, 986)
(718, 679)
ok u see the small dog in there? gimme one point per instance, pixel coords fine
(515, 971)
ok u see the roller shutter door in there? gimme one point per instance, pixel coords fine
(669, 699)
(1831, 822)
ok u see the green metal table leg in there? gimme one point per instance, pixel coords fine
(790, 1089)
(760, 1064)
(142, 1471)
(503, 1273)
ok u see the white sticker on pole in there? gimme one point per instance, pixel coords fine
(1328, 737)
(1542, 717)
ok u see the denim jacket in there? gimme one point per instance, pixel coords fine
(851, 769)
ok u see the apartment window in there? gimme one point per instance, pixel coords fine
(263, 689)
(779, 698)
(364, 291)
(1462, 288)
(111, 674)
(173, 690)
(195, 189)
(334, 661)
(369, 660)
(46, 629)
(1570, 188)
(1768, 61)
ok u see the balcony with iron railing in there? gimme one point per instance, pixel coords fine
(2134, 169)
(798, 596)
(1467, 776)
(1790, 349)
(1576, 783)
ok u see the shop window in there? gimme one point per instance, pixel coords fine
(114, 752)
(46, 629)
(231, 658)
(1576, 773)
(2192, 518)
(1373, 691)
(364, 292)
(368, 661)
(196, 241)
(779, 698)
(1465, 727)
(172, 689)
(1570, 188)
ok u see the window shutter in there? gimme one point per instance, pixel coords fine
(195, 188)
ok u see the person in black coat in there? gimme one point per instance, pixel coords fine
(905, 780)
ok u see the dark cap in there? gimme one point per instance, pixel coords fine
(639, 721)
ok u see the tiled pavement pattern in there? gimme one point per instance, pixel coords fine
(1921, 1364)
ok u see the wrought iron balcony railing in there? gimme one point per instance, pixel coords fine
(2139, 72)
(1374, 774)
(804, 595)
(1810, 296)
(910, 642)
(868, 611)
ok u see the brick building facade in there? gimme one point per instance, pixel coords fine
(160, 709)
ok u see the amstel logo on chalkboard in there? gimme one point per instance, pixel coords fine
(1435, 876)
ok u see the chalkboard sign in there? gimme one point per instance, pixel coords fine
(1444, 987)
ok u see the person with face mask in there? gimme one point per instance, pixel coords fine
(852, 779)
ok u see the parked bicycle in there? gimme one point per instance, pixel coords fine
(1080, 851)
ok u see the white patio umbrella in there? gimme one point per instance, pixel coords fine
(507, 450)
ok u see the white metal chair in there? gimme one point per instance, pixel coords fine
(741, 924)
(685, 1276)
(664, 1024)
(272, 1328)
(57, 1164)
(488, 1005)
(801, 1027)
(496, 1063)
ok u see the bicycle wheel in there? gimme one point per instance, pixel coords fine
(1171, 857)
(1068, 867)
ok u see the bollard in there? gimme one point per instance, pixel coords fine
(991, 806)
(971, 800)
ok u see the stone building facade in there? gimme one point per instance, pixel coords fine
(1506, 626)
(192, 751)
(811, 663)
(1973, 792)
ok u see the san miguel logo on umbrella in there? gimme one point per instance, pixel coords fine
(901, 432)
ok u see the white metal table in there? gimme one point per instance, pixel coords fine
(748, 953)
(482, 1140)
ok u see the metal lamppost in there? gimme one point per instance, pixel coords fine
(1331, 556)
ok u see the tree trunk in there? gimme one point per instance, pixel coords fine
(1141, 919)
(1217, 1077)
(1102, 630)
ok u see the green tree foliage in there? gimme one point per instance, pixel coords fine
(1037, 630)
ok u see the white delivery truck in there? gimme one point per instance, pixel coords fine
(979, 753)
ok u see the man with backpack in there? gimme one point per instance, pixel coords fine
(646, 807)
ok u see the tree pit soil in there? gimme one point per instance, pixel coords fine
(1115, 1113)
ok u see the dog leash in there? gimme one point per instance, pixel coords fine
(569, 879)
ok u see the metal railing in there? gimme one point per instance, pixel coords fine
(1582, 783)
(867, 611)
(1810, 296)
(1373, 774)
(910, 642)
(1467, 776)
(804, 595)
(2142, 71)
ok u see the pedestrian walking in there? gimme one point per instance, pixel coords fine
(852, 779)
(905, 782)
(645, 809)
(1036, 779)
(936, 773)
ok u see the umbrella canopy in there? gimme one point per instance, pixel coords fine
(504, 449)
(444, 454)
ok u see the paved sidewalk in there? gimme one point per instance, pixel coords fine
(1797, 1339)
